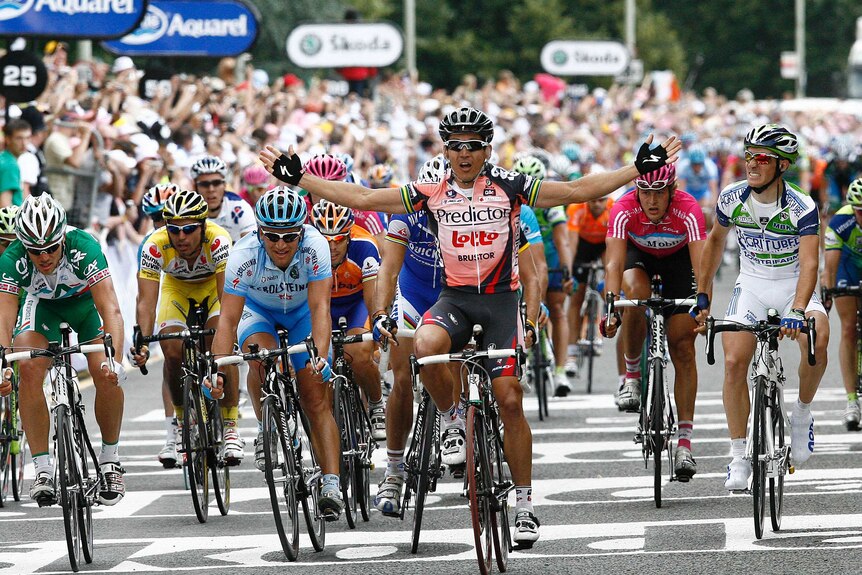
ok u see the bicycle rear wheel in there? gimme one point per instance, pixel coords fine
(194, 444)
(19, 459)
(428, 417)
(776, 484)
(311, 476)
(347, 432)
(479, 486)
(758, 463)
(539, 379)
(220, 471)
(90, 485)
(281, 477)
(69, 479)
(656, 428)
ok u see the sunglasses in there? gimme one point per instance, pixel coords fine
(656, 186)
(470, 145)
(337, 238)
(760, 157)
(40, 251)
(210, 184)
(286, 237)
(188, 229)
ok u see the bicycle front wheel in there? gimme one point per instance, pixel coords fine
(758, 456)
(69, 477)
(194, 444)
(656, 428)
(592, 313)
(6, 438)
(281, 477)
(479, 486)
(347, 433)
(428, 416)
(90, 485)
(776, 484)
(19, 458)
(362, 466)
(311, 476)
(502, 484)
(220, 471)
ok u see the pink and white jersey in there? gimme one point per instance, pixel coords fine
(369, 221)
(683, 223)
(479, 236)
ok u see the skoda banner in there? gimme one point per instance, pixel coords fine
(338, 45)
(90, 19)
(191, 28)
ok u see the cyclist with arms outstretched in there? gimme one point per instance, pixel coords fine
(474, 214)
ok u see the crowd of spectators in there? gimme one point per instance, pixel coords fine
(98, 137)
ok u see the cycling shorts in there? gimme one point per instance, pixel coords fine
(586, 253)
(174, 297)
(848, 272)
(498, 314)
(45, 315)
(353, 309)
(675, 270)
(752, 297)
(411, 301)
(555, 279)
(257, 319)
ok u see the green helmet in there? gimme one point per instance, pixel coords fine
(41, 222)
(854, 194)
(530, 166)
(7, 220)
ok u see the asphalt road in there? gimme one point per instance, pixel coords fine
(591, 491)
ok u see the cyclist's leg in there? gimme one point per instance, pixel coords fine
(846, 307)
(636, 285)
(801, 420)
(233, 443)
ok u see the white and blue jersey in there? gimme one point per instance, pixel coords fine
(420, 280)
(235, 216)
(530, 225)
(275, 297)
(697, 183)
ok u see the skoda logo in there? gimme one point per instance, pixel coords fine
(153, 26)
(559, 57)
(13, 8)
(310, 44)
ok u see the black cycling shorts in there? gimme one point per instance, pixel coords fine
(498, 314)
(675, 270)
(586, 253)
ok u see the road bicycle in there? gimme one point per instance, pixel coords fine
(354, 425)
(202, 442)
(13, 445)
(290, 465)
(656, 422)
(851, 291)
(488, 481)
(587, 348)
(76, 471)
(767, 450)
(539, 371)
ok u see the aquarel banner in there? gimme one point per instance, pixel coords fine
(91, 19)
(191, 28)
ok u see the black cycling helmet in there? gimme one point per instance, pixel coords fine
(466, 121)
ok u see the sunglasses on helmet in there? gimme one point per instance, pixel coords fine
(470, 145)
(655, 186)
(188, 229)
(760, 157)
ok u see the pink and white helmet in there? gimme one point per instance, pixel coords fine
(658, 179)
(326, 166)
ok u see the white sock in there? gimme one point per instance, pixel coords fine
(171, 429)
(801, 408)
(523, 498)
(43, 464)
(110, 453)
(737, 448)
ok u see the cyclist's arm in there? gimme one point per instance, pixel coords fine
(219, 277)
(369, 288)
(228, 320)
(108, 307)
(8, 315)
(710, 259)
(145, 310)
(574, 239)
(392, 258)
(616, 256)
(561, 241)
(809, 252)
(830, 269)
(695, 252)
(584, 189)
(534, 258)
(531, 275)
(321, 320)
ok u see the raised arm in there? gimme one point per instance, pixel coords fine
(598, 185)
(288, 168)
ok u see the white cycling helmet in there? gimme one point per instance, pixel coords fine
(41, 222)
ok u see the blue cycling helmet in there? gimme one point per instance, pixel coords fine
(572, 151)
(280, 207)
(696, 155)
(347, 159)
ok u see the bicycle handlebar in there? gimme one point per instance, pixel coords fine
(105, 348)
(848, 290)
(518, 352)
(761, 327)
(139, 339)
(261, 354)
